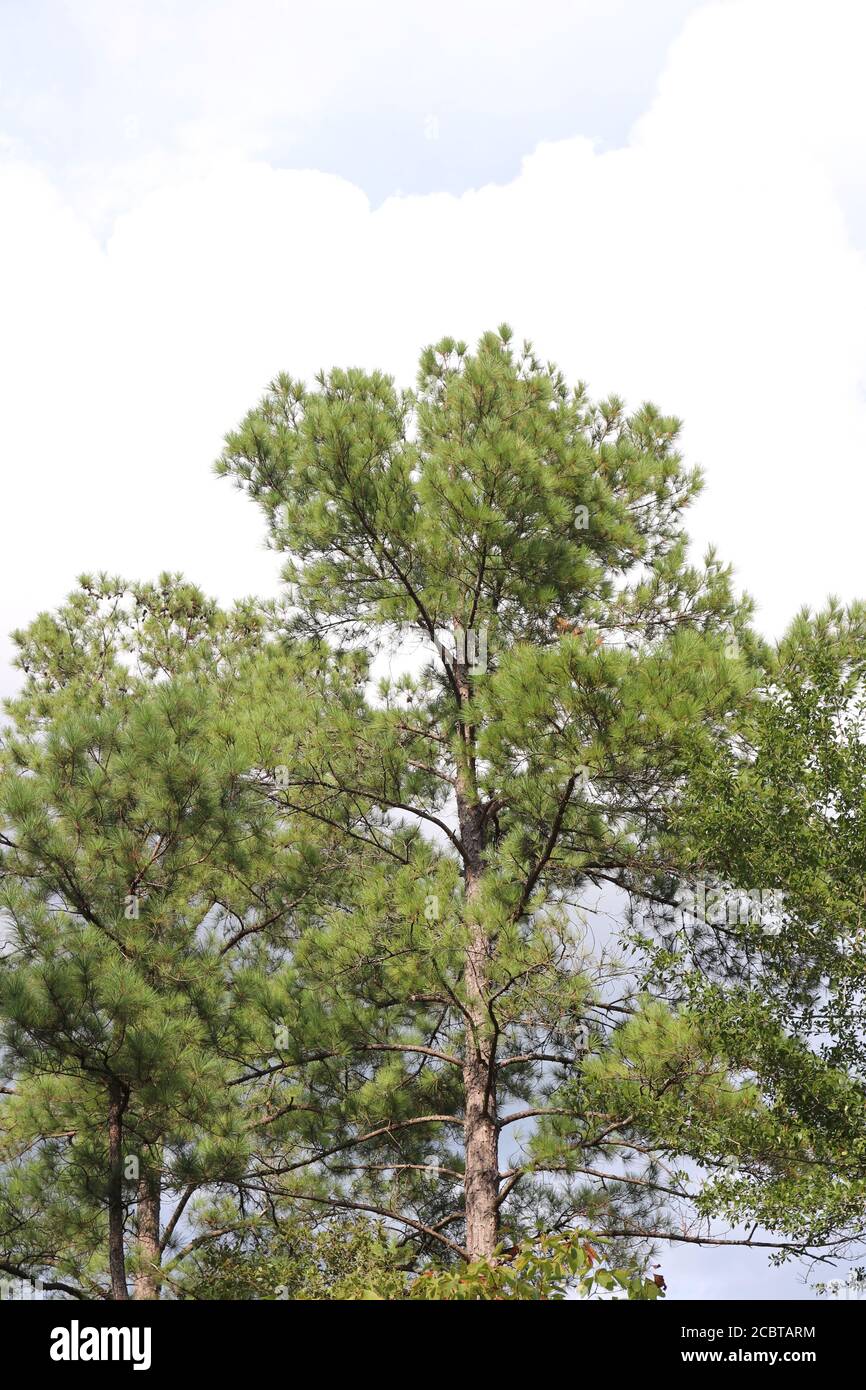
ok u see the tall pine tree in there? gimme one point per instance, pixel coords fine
(569, 667)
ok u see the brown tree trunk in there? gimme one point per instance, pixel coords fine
(147, 1280)
(117, 1099)
(481, 1133)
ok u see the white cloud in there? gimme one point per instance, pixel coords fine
(112, 98)
(708, 265)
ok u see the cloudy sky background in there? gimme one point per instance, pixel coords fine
(668, 198)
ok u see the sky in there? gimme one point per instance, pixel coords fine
(669, 199)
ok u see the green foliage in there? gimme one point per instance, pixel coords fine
(337, 1262)
(130, 834)
(325, 928)
(779, 809)
(547, 1269)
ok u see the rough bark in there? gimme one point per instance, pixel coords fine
(147, 1280)
(480, 1123)
(481, 1134)
(117, 1099)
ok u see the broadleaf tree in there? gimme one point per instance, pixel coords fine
(762, 929)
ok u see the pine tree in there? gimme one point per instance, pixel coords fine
(133, 847)
(530, 544)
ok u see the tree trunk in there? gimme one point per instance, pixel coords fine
(117, 1099)
(481, 1134)
(481, 1181)
(147, 1280)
